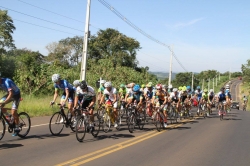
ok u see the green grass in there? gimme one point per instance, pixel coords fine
(245, 91)
(35, 106)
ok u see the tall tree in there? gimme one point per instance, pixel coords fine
(6, 29)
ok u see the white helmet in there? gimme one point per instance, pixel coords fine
(107, 84)
(175, 90)
(227, 86)
(211, 90)
(56, 78)
(102, 81)
(76, 83)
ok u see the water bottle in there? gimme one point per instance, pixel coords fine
(8, 116)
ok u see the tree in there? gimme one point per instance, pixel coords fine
(6, 29)
(115, 46)
(246, 71)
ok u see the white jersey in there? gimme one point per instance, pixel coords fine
(172, 95)
(88, 95)
(111, 95)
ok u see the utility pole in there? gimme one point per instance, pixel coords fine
(202, 84)
(192, 87)
(208, 85)
(230, 74)
(216, 81)
(213, 83)
(170, 68)
(85, 44)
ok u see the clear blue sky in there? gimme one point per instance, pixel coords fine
(205, 34)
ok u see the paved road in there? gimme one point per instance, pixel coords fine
(198, 142)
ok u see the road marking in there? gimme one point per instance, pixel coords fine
(118, 146)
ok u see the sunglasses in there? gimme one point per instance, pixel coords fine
(158, 89)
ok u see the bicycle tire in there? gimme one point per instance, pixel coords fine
(80, 129)
(131, 124)
(57, 124)
(24, 123)
(2, 129)
(106, 123)
(96, 128)
(158, 122)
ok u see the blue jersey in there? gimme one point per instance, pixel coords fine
(63, 85)
(7, 85)
(222, 97)
(149, 94)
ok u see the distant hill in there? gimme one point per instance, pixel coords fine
(163, 75)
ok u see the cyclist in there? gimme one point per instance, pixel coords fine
(128, 97)
(205, 101)
(76, 83)
(221, 98)
(100, 90)
(184, 98)
(148, 95)
(174, 97)
(245, 100)
(228, 99)
(122, 92)
(142, 88)
(13, 94)
(88, 98)
(198, 95)
(110, 93)
(161, 97)
(68, 93)
(211, 98)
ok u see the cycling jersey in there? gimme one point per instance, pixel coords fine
(211, 95)
(228, 94)
(101, 89)
(88, 95)
(183, 96)
(205, 96)
(110, 95)
(221, 96)
(174, 97)
(63, 85)
(123, 92)
(7, 85)
(149, 94)
(199, 94)
(138, 96)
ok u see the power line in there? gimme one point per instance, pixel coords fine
(139, 30)
(42, 19)
(44, 27)
(56, 13)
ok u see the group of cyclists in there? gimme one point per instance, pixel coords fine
(145, 96)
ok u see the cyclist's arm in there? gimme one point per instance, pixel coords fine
(55, 95)
(92, 102)
(115, 98)
(76, 101)
(10, 95)
(67, 95)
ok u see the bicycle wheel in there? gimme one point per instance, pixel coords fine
(158, 122)
(142, 116)
(80, 129)
(24, 124)
(56, 123)
(106, 123)
(2, 128)
(131, 123)
(96, 127)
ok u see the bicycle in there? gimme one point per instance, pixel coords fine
(84, 124)
(24, 124)
(107, 118)
(58, 120)
(173, 113)
(158, 118)
(135, 118)
(222, 111)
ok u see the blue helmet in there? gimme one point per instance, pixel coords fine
(188, 87)
(198, 87)
(227, 90)
(136, 88)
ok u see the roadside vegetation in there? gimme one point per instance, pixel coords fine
(111, 56)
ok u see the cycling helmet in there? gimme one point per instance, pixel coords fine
(158, 86)
(184, 88)
(180, 88)
(188, 87)
(227, 90)
(56, 78)
(83, 84)
(136, 88)
(165, 86)
(222, 89)
(107, 84)
(122, 86)
(102, 81)
(175, 90)
(211, 90)
(198, 87)
(227, 86)
(149, 85)
(76, 82)
(205, 90)
(143, 85)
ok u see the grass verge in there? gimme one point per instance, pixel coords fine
(245, 91)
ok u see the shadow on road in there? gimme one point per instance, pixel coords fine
(8, 146)
(109, 136)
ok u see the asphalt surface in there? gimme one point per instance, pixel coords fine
(193, 142)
